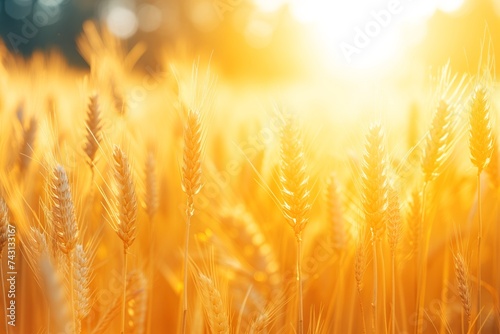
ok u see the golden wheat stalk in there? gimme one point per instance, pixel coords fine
(481, 133)
(151, 205)
(65, 225)
(481, 150)
(82, 278)
(374, 181)
(437, 141)
(93, 130)
(359, 272)
(191, 186)
(375, 198)
(191, 167)
(63, 211)
(126, 198)
(126, 211)
(151, 194)
(436, 150)
(295, 192)
(393, 235)
(216, 311)
(463, 280)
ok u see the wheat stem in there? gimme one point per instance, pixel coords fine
(375, 286)
(299, 285)
(151, 276)
(393, 308)
(362, 310)
(186, 263)
(421, 262)
(359, 268)
(382, 266)
(71, 286)
(124, 305)
(479, 237)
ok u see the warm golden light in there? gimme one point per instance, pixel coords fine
(249, 167)
(365, 33)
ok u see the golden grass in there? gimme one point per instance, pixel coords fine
(300, 213)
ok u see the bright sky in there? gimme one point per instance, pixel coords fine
(363, 33)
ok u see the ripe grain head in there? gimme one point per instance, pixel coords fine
(438, 141)
(215, 307)
(191, 167)
(63, 211)
(463, 280)
(294, 181)
(126, 199)
(93, 129)
(375, 181)
(481, 134)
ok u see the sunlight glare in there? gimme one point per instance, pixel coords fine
(362, 33)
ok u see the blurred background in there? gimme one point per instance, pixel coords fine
(272, 39)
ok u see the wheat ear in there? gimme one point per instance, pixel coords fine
(93, 130)
(215, 308)
(481, 150)
(82, 277)
(294, 184)
(437, 147)
(191, 186)
(375, 181)
(375, 198)
(437, 141)
(463, 281)
(4, 230)
(65, 225)
(126, 210)
(481, 134)
(63, 211)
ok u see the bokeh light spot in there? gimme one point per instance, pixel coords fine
(150, 17)
(122, 22)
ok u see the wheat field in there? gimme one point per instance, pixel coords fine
(168, 201)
